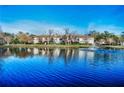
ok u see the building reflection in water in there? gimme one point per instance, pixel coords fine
(54, 54)
(86, 55)
(35, 51)
(29, 50)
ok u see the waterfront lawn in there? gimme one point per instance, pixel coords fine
(48, 45)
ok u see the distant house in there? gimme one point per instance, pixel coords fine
(30, 40)
(2, 41)
(36, 40)
(90, 40)
(7, 39)
(45, 39)
(86, 39)
(74, 39)
(82, 39)
(67, 39)
(110, 41)
(102, 42)
(57, 39)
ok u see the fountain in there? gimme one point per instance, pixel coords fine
(91, 48)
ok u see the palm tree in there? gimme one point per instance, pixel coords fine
(96, 35)
(20, 32)
(92, 33)
(116, 38)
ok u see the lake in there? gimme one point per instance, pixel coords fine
(55, 67)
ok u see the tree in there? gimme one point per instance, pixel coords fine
(50, 35)
(122, 36)
(106, 36)
(15, 41)
(96, 35)
(93, 33)
(50, 32)
(20, 32)
(66, 36)
(66, 31)
(8, 39)
(117, 39)
(23, 37)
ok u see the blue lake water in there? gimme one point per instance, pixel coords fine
(68, 67)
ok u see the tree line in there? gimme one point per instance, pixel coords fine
(24, 38)
(107, 37)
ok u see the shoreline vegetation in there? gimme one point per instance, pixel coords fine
(92, 39)
(43, 46)
(58, 46)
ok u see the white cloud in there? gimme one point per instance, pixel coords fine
(101, 28)
(37, 27)
(42, 27)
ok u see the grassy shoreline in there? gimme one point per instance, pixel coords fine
(43, 46)
(57, 46)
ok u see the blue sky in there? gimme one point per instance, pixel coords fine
(80, 19)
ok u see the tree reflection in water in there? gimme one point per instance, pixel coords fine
(4, 52)
(67, 54)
